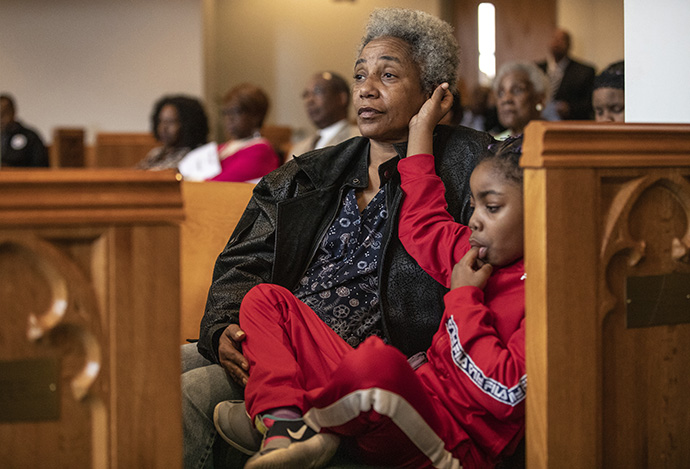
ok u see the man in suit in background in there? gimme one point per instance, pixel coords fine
(326, 100)
(572, 82)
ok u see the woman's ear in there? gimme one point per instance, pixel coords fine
(539, 106)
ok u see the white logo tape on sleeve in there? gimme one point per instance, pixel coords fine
(499, 391)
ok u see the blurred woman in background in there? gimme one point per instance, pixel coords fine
(180, 124)
(246, 155)
(521, 90)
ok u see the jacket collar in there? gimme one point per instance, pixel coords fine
(348, 163)
(350, 158)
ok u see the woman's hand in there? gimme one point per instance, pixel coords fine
(230, 356)
(468, 272)
(422, 124)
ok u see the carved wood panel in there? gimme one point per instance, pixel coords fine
(50, 310)
(644, 373)
(607, 231)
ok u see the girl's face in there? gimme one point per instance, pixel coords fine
(609, 105)
(497, 222)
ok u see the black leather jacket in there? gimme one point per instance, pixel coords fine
(291, 208)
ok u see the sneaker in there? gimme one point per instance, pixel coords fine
(293, 444)
(235, 426)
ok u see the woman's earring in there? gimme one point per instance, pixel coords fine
(539, 107)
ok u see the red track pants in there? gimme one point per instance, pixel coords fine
(369, 394)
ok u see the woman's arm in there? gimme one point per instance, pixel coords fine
(246, 260)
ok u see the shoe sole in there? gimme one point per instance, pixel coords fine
(235, 445)
(313, 453)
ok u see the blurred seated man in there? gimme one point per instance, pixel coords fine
(326, 99)
(571, 82)
(21, 146)
(608, 97)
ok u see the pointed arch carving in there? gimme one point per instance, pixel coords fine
(71, 311)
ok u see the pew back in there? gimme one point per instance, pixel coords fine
(212, 209)
(67, 149)
(120, 149)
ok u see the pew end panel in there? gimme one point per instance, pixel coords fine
(89, 280)
(607, 208)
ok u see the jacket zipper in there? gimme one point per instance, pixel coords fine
(319, 237)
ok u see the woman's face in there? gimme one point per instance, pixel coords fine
(387, 90)
(517, 102)
(168, 126)
(609, 105)
(239, 122)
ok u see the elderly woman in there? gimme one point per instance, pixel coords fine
(521, 89)
(180, 124)
(324, 225)
(608, 97)
(246, 156)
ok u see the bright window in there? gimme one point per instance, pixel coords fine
(486, 15)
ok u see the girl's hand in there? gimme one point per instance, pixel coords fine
(422, 124)
(433, 110)
(468, 272)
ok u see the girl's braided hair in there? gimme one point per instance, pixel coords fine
(506, 156)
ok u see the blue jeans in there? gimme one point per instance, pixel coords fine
(205, 384)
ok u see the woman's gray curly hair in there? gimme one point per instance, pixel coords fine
(538, 79)
(433, 45)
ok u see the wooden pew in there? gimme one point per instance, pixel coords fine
(212, 209)
(67, 149)
(280, 137)
(120, 149)
(607, 248)
(89, 319)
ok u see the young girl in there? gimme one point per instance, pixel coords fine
(460, 405)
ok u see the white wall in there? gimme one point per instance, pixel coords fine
(657, 66)
(98, 64)
(596, 27)
(278, 44)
